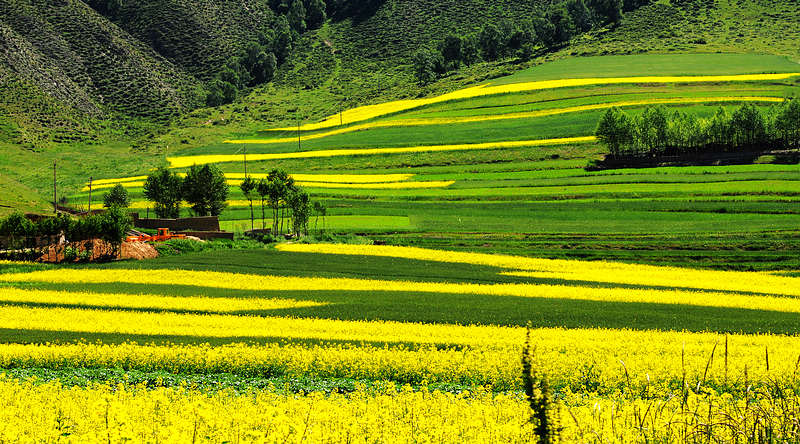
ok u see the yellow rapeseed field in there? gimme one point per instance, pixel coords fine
(510, 116)
(138, 181)
(187, 161)
(596, 271)
(780, 286)
(372, 111)
(149, 301)
(569, 357)
(118, 413)
(121, 413)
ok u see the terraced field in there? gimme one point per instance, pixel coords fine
(500, 167)
(427, 342)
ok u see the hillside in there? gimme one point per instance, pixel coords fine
(360, 57)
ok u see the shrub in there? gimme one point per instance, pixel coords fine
(118, 196)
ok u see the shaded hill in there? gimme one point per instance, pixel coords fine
(196, 35)
(70, 64)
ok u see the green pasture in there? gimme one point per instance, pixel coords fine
(653, 65)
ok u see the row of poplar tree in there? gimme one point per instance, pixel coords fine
(659, 131)
(205, 189)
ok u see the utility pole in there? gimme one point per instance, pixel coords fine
(55, 199)
(297, 116)
(90, 195)
(245, 160)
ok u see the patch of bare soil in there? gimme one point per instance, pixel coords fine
(97, 250)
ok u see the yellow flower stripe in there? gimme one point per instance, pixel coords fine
(577, 292)
(138, 181)
(187, 161)
(354, 186)
(51, 412)
(509, 116)
(372, 111)
(334, 178)
(597, 271)
(560, 353)
(149, 301)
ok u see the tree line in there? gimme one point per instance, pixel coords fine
(657, 131)
(257, 62)
(205, 189)
(553, 27)
(111, 226)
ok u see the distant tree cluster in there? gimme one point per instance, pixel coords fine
(111, 226)
(559, 23)
(658, 131)
(287, 200)
(204, 188)
(260, 59)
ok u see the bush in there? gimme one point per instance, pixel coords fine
(17, 225)
(118, 196)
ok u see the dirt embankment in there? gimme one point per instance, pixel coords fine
(97, 250)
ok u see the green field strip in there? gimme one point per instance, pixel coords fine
(744, 187)
(185, 161)
(348, 222)
(654, 64)
(472, 117)
(537, 100)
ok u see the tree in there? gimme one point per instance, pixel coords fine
(117, 197)
(263, 189)
(426, 63)
(163, 188)
(297, 16)
(580, 15)
(470, 50)
(719, 130)
(562, 22)
(282, 44)
(281, 183)
(748, 126)
(247, 186)
(787, 123)
(220, 93)
(299, 204)
(114, 226)
(545, 31)
(320, 210)
(490, 42)
(654, 128)
(315, 13)
(206, 190)
(18, 228)
(610, 10)
(614, 131)
(450, 48)
(260, 63)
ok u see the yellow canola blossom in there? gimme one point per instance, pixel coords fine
(150, 302)
(577, 291)
(328, 185)
(372, 186)
(563, 354)
(187, 161)
(138, 181)
(49, 412)
(510, 116)
(372, 111)
(118, 413)
(595, 271)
